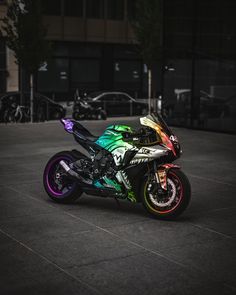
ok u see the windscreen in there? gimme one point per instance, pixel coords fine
(157, 118)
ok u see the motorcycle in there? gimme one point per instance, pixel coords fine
(83, 110)
(124, 164)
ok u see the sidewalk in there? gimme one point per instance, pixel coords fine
(95, 247)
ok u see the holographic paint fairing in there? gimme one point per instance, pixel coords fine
(112, 141)
(112, 137)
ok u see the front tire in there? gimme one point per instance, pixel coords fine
(58, 186)
(177, 200)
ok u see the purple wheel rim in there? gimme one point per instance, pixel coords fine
(48, 176)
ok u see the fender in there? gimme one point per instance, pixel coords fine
(161, 174)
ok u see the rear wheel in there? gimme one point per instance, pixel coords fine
(9, 116)
(102, 115)
(77, 116)
(174, 202)
(57, 184)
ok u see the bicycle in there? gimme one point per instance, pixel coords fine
(16, 114)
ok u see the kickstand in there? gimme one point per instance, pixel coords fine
(117, 202)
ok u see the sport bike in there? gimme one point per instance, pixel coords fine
(123, 163)
(82, 110)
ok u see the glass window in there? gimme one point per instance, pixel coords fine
(127, 71)
(85, 71)
(115, 9)
(108, 97)
(95, 8)
(52, 7)
(123, 98)
(53, 76)
(73, 8)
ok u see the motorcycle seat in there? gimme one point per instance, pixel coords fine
(83, 131)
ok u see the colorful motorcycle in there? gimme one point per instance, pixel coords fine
(123, 164)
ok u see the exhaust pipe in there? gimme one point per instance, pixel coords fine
(73, 174)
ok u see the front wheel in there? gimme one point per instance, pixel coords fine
(174, 202)
(57, 184)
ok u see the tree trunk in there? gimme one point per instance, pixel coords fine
(31, 98)
(149, 89)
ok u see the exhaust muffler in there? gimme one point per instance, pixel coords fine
(74, 174)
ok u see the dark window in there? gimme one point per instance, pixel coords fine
(123, 98)
(53, 75)
(108, 97)
(95, 8)
(85, 71)
(73, 7)
(131, 9)
(115, 9)
(127, 71)
(52, 7)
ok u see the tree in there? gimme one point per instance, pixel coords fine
(25, 36)
(148, 31)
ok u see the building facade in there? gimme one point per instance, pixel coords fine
(94, 48)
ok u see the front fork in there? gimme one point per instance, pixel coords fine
(161, 175)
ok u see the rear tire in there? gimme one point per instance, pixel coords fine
(102, 115)
(177, 200)
(9, 116)
(77, 116)
(58, 186)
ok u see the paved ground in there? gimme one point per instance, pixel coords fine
(94, 247)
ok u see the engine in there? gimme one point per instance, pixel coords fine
(103, 165)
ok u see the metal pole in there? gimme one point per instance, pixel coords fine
(31, 98)
(193, 74)
(149, 90)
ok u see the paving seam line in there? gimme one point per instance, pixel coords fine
(126, 240)
(94, 225)
(104, 230)
(211, 230)
(50, 262)
(211, 179)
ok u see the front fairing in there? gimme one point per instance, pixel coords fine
(167, 137)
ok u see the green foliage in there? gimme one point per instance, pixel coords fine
(25, 33)
(148, 28)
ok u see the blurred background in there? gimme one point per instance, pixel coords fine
(95, 49)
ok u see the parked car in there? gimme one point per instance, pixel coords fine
(44, 107)
(204, 104)
(118, 103)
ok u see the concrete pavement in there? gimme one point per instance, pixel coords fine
(95, 247)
